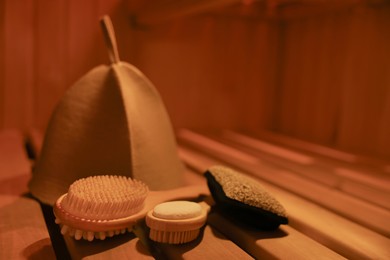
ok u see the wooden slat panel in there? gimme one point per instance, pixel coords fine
(283, 243)
(364, 117)
(163, 11)
(339, 234)
(334, 84)
(362, 212)
(338, 156)
(192, 58)
(23, 232)
(18, 104)
(14, 164)
(309, 96)
(374, 189)
(211, 245)
(82, 34)
(119, 247)
(2, 63)
(50, 67)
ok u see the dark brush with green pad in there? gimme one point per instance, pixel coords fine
(244, 199)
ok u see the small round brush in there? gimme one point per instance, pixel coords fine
(244, 198)
(176, 222)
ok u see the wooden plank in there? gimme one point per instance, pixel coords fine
(163, 11)
(210, 245)
(50, 69)
(331, 230)
(285, 243)
(14, 164)
(23, 233)
(18, 105)
(125, 246)
(296, 162)
(2, 63)
(371, 170)
(359, 211)
(82, 32)
(325, 151)
(363, 114)
(371, 188)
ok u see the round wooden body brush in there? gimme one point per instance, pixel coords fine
(104, 206)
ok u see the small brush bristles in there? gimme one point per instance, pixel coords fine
(105, 197)
(173, 237)
(244, 189)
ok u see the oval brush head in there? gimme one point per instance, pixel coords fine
(176, 222)
(244, 198)
(99, 206)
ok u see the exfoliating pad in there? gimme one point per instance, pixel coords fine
(244, 199)
(111, 120)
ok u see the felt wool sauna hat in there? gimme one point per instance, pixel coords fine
(111, 121)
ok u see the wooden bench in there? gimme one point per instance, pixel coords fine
(328, 228)
(23, 233)
(314, 231)
(361, 161)
(362, 212)
(363, 184)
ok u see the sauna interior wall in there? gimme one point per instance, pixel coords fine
(323, 78)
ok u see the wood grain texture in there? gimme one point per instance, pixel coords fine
(335, 80)
(2, 62)
(50, 47)
(336, 155)
(364, 117)
(23, 233)
(361, 212)
(17, 87)
(14, 164)
(364, 185)
(345, 237)
(189, 61)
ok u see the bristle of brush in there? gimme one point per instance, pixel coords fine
(104, 197)
(173, 237)
(79, 234)
(99, 199)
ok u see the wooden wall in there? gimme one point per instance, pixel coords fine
(335, 80)
(46, 46)
(322, 78)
